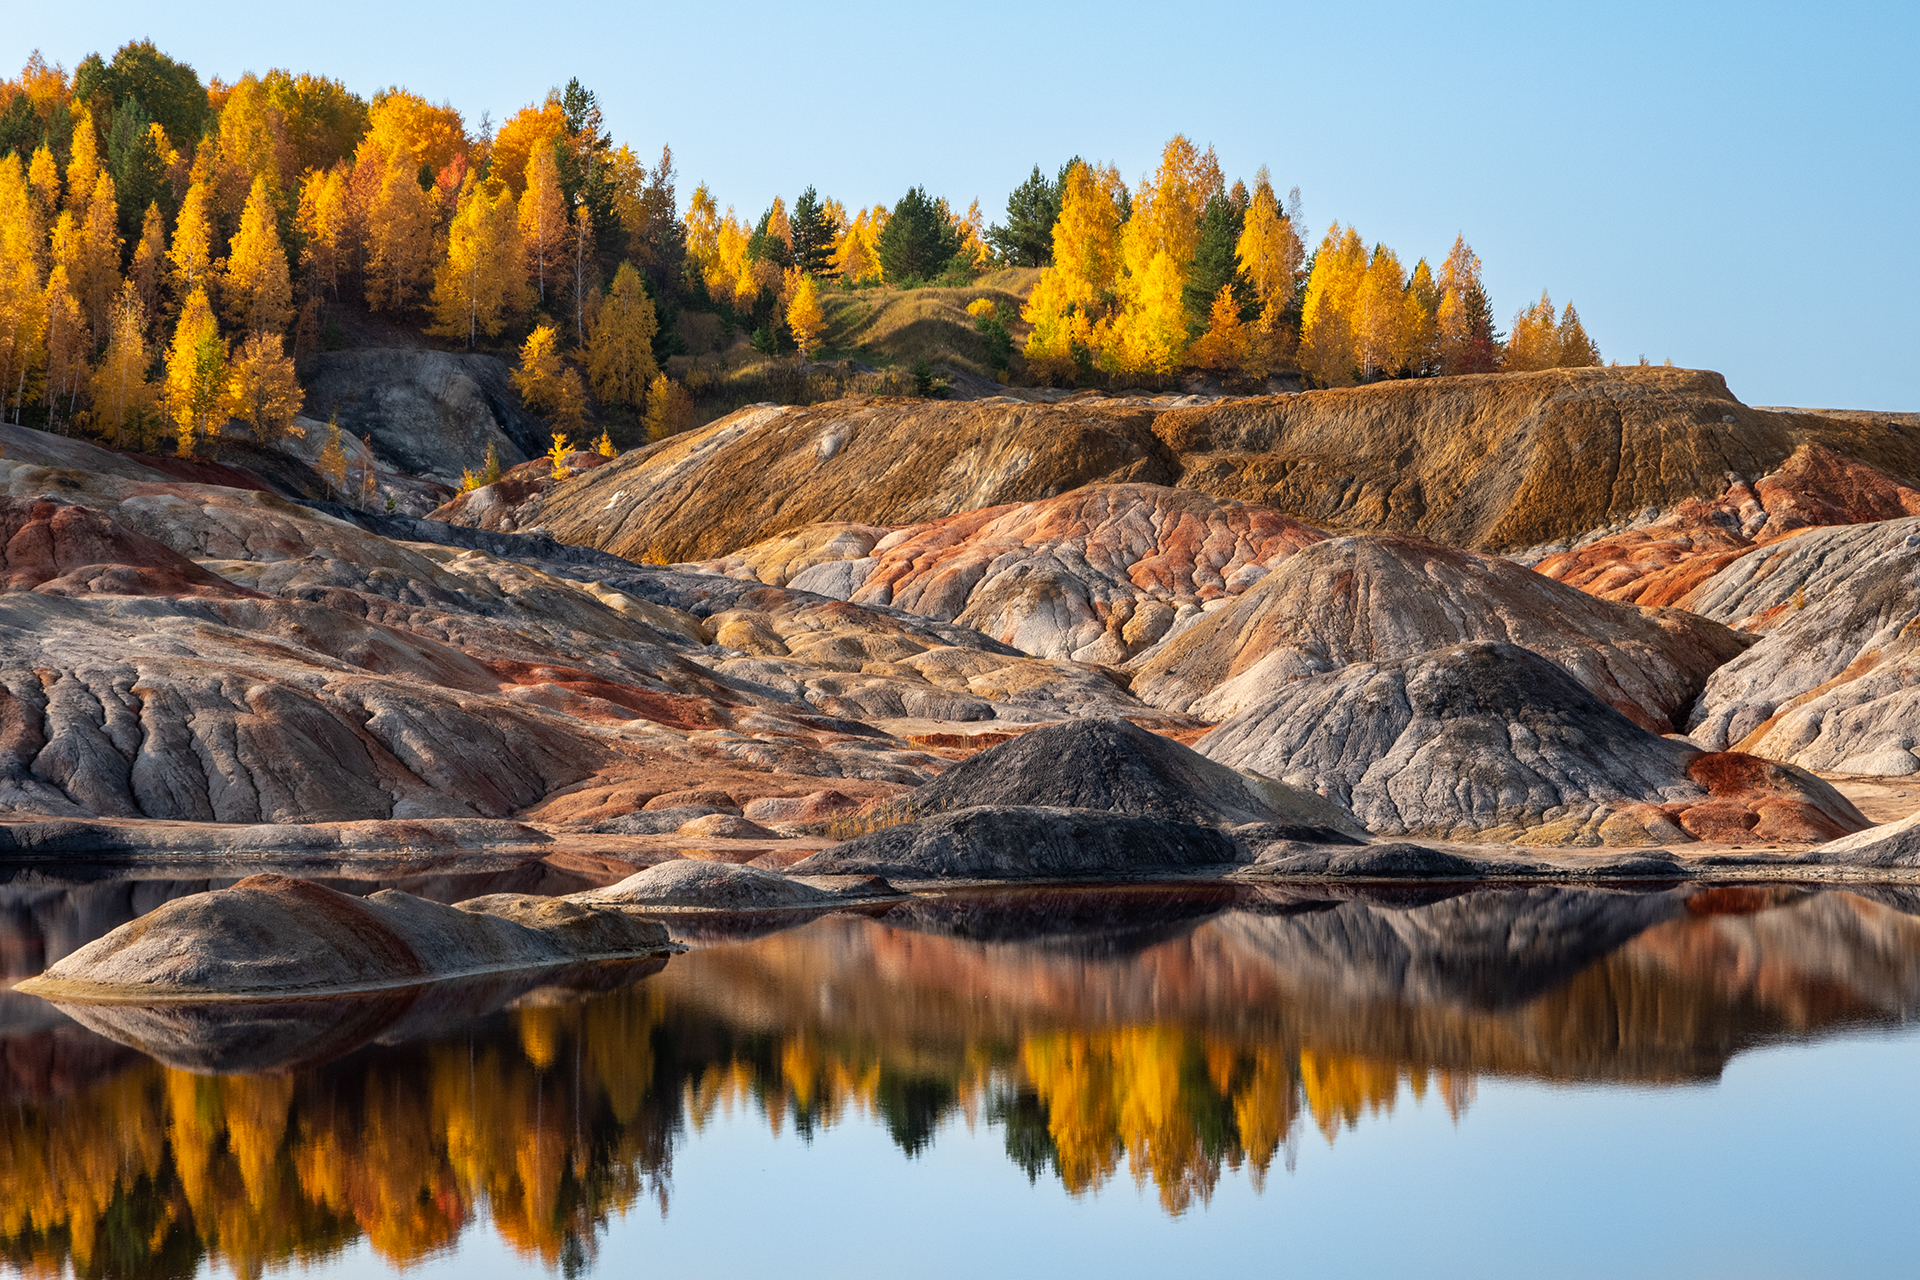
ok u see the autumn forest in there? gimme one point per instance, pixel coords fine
(170, 247)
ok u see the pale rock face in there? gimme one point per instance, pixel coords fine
(1492, 741)
(427, 412)
(1831, 685)
(1384, 598)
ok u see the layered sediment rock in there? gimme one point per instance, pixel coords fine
(1664, 562)
(1098, 575)
(1384, 598)
(1490, 742)
(1834, 682)
(1493, 462)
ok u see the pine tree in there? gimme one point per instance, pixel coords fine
(196, 377)
(543, 220)
(620, 361)
(813, 232)
(1214, 264)
(1032, 209)
(804, 317)
(262, 390)
(255, 290)
(918, 241)
(482, 283)
(123, 399)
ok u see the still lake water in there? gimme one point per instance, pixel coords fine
(1548, 1081)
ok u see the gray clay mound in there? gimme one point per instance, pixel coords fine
(726, 886)
(272, 934)
(1029, 843)
(1894, 844)
(1118, 767)
(1474, 737)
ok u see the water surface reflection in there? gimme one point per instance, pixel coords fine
(1179, 1035)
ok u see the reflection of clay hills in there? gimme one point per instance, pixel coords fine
(1571, 984)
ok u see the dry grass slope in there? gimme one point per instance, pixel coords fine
(887, 325)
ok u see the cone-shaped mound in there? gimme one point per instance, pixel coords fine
(1114, 766)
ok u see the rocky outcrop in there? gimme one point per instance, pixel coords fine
(1831, 684)
(1113, 767)
(272, 935)
(1490, 742)
(1663, 562)
(1097, 575)
(992, 842)
(429, 413)
(1385, 598)
(723, 886)
(497, 506)
(1492, 462)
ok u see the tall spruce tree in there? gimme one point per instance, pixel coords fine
(918, 241)
(1032, 209)
(813, 234)
(1214, 263)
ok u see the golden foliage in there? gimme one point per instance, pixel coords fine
(1329, 347)
(804, 317)
(1076, 292)
(546, 385)
(399, 234)
(123, 399)
(327, 230)
(191, 252)
(22, 313)
(68, 344)
(669, 409)
(557, 455)
(332, 462)
(481, 284)
(526, 132)
(620, 361)
(196, 377)
(262, 390)
(405, 128)
(543, 219)
(255, 290)
(1269, 252)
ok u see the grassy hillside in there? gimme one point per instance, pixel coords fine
(885, 326)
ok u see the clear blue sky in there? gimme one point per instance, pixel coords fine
(1732, 186)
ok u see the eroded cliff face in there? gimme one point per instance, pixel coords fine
(1492, 462)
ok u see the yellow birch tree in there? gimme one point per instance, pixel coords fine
(482, 282)
(262, 390)
(21, 310)
(191, 253)
(804, 316)
(123, 399)
(1329, 350)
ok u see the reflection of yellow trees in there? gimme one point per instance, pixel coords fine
(565, 1115)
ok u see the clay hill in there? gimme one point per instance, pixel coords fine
(978, 639)
(1495, 462)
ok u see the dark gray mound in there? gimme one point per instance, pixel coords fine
(1028, 843)
(1116, 766)
(1378, 862)
(1462, 739)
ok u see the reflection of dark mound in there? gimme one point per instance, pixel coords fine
(1089, 923)
(241, 1037)
(1489, 949)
